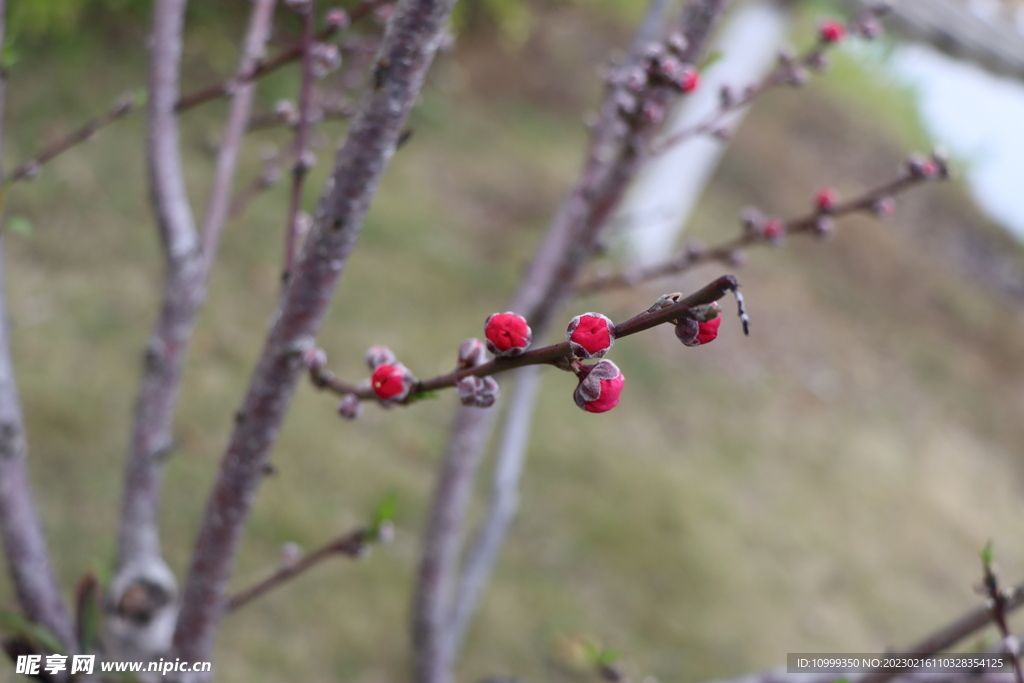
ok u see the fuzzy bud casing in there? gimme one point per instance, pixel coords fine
(600, 387)
(377, 356)
(590, 335)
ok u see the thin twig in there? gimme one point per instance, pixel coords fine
(28, 560)
(353, 544)
(727, 252)
(140, 633)
(408, 49)
(303, 161)
(546, 355)
(998, 601)
(31, 168)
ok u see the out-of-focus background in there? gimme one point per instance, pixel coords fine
(823, 485)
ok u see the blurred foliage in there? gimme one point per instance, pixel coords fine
(32, 18)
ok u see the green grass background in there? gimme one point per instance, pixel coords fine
(824, 485)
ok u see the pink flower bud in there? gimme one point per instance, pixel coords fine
(773, 229)
(599, 388)
(377, 356)
(825, 199)
(350, 407)
(831, 31)
(471, 354)
(652, 112)
(689, 80)
(337, 18)
(921, 167)
(314, 359)
(392, 382)
(884, 207)
(590, 335)
(824, 226)
(480, 392)
(324, 58)
(676, 42)
(869, 27)
(695, 332)
(507, 334)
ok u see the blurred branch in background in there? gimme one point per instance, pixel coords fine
(28, 560)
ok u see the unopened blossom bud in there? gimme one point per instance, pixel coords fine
(324, 58)
(392, 382)
(337, 18)
(668, 67)
(314, 359)
(708, 331)
(625, 103)
(507, 334)
(471, 354)
(941, 160)
(726, 97)
(291, 555)
(868, 27)
(676, 42)
(286, 112)
(688, 80)
(824, 226)
(590, 335)
(773, 230)
(480, 392)
(796, 76)
(831, 31)
(350, 407)
(883, 207)
(922, 167)
(635, 79)
(752, 220)
(599, 388)
(825, 199)
(817, 61)
(377, 356)
(652, 112)
(386, 531)
(686, 331)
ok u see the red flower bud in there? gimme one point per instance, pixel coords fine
(392, 382)
(471, 354)
(350, 407)
(377, 356)
(507, 334)
(694, 333)
(773, 229)
(708, 331)
(825, 199)
(689, 80)
(831, 31)
(599, 388)
(590, 335)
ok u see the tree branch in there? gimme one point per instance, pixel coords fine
(406, 52)
(617, 149)
(303, 161)
(354, 544)
(28, 561)
(142, 598)
(727, 252)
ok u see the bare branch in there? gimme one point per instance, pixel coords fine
(616, 151)
(30, 169)
(354, 544)
(303, 161)
(407, 50)
(142, 600)
(547, 355)
(218, 210)
(28, 561)
(504, 502)
(727, 252)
